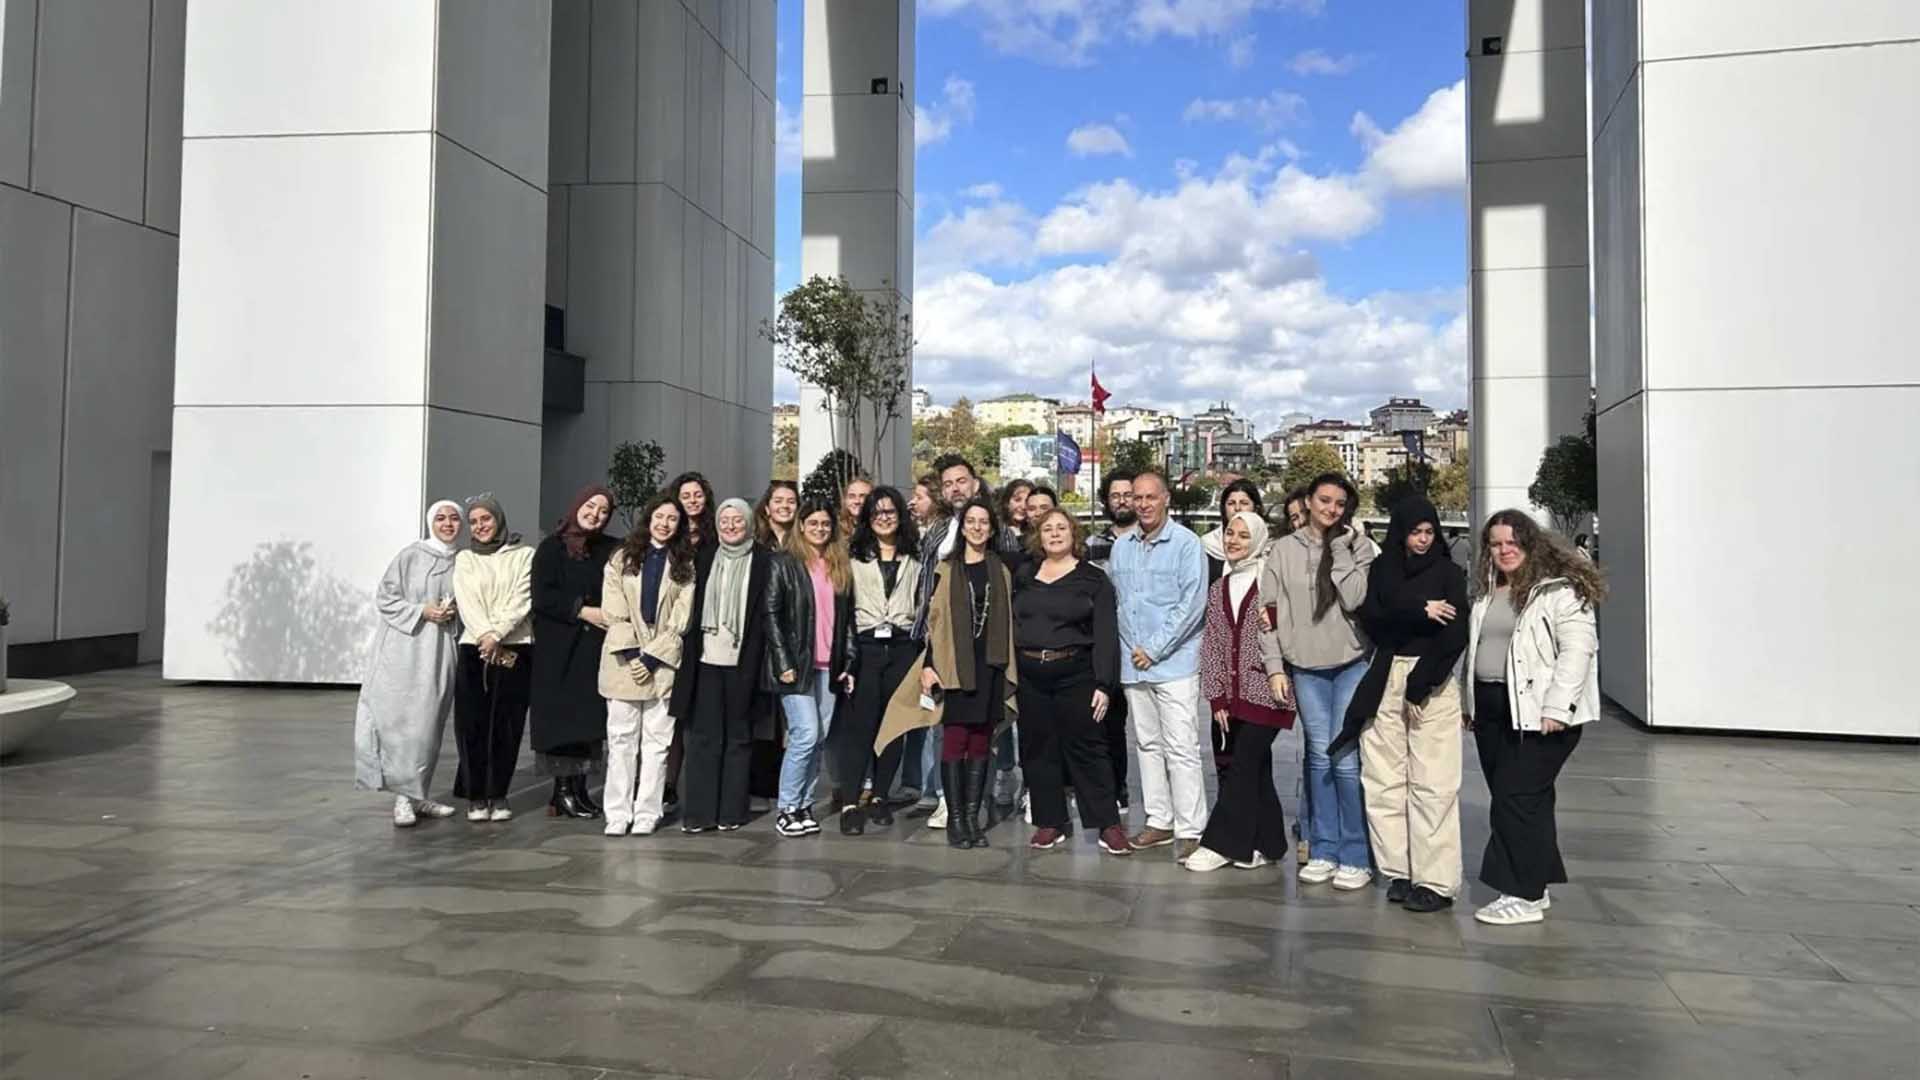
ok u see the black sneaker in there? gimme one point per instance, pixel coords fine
(880, 814)
(806, 820)
(1423, 900)
(853, 821)
(790, 823)
(1397, 890)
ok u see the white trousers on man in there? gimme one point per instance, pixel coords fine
(638, 733)
(1170, 737)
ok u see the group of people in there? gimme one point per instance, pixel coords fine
(920, 645)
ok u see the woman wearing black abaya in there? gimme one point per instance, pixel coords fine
(569, 715)
(1406, 713)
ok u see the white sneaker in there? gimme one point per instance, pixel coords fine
(615, 828)
(1317, 871)
(403, 815)
(1349, 878)
(478, 812)
(503, 812)
(1509, 911)
(1254, 863)
(1546, 899)
(1026, 807)
(429, 808)
(645, 828)
(938, 819)
(1205, 860)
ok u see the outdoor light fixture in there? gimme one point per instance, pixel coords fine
(1491, 46)
(881, 86)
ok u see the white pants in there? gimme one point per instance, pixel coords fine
(637, 731)
(1168, 732)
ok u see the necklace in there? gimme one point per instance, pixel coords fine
(979, 608)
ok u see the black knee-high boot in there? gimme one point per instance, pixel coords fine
(953, 782)
(974, 781)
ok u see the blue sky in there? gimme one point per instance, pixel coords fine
(1256, 200)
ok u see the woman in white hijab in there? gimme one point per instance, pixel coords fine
(1247, 828)
(409, 683)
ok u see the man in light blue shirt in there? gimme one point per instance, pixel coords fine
(1160, 580)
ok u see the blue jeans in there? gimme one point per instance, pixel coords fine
(1337, 829)
(809, 717)
(930, 763)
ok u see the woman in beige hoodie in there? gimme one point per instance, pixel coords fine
(493, 592)
(647, 597)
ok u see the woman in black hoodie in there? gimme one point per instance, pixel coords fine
(1406, 713)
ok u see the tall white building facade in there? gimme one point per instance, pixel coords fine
(1755, 222)
(393, 216)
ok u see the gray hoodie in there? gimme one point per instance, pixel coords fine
(1335, 639)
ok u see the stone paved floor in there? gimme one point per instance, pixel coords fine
(190, 887)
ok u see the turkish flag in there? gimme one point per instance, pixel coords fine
(1100, 396)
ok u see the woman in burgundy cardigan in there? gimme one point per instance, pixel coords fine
(1248, 827)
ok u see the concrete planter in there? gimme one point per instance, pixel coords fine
(28, 706)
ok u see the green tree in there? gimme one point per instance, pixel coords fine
(1190, 498)
(1567, 484)
(1308, 460)
(637, 471)
(1134, 455)
(1450, 483)
(1410, 478)
(786, 454)
(854, 348)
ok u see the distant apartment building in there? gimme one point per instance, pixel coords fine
(1401, 414)
(1030, 409)
(1076, 420)
(1375, 457)
(1449, 436)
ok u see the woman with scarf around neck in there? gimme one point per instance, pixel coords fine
(966, 669)
(886, 593)
(1406, 713)
(493, 586)
(569, 716)
(717, 696)
(647, 591)
(1320, 575)
(1248, 827)
(402, 712)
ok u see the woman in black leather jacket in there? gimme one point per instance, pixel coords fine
(810, 652)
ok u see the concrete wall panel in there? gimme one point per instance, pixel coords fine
(1692, 28)
(848, 141)
(1534, 105)
(761, 202)
(659, 302)
(119, 371)
(572, 61)
(1529, 25)
(848, 42)
(575, 450)
(90, 105)
(613, 78)
(269, 586)
(600, 283)
(709, 185)
(661, 114)
(1618, 304)
(489, 241)
(559, 198)
(342, 322)
(166, 78)
(762, 44)
(494, 64)
(1614, 55)
(341, 66)
(469, 454)
(1624, 631)
(1731, 303)
(736, 153)
(18, 19)
(36, 236)
(1529, 317)
(1532, 413)
(1530, 213)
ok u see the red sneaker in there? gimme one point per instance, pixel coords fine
(1045, 839)
(1113, 841)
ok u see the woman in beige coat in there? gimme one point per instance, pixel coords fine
(647, 597)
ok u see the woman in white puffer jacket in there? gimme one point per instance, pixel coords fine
(1533, 658)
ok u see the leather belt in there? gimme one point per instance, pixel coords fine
(1047, 656)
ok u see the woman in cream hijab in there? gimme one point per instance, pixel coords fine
(409, 685)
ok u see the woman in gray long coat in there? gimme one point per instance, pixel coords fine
(409, 685)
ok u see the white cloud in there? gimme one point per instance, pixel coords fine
(987, 190)
(786, 138)
(1240, 52)
(1092, 140)
(1318, 62)
(933, 123)
(1425, 152)
(1183, 293)
(1277, 110)
(1069, 32)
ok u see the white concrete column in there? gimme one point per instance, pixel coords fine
(1527, 188)
(856, 182)
(363, 217)
(1755, 226)
(660, 236)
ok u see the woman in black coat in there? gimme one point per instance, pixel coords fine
(717, 696)
(1406, 713)
(569, 715)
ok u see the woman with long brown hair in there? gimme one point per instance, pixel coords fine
(1320, 574)
(810, 657)
(773, 514)
(695, 498)
(569, 717)
(1532, 653)
(647, 593)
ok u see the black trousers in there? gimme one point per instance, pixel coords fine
(719, 745)
(1523, 854)
(489, 719)
(1248, 817)
(883, 663)
(1116, 735)
(1061, 743)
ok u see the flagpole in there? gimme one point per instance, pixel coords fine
(1093, 414)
